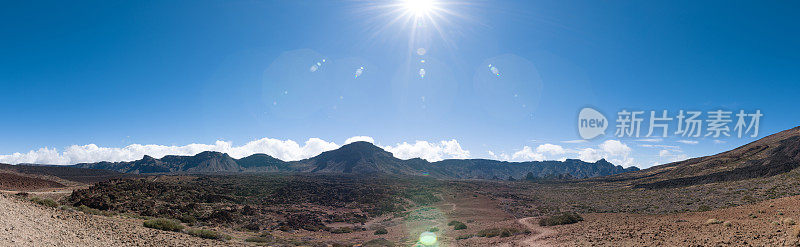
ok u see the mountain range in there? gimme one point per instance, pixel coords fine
(362, 158)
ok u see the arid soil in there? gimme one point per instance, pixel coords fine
(10, 180)
(768, 223)
(23, 223)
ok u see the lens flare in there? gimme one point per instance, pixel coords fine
(427, 238)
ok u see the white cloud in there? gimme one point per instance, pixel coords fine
(649, 140)
(575, 141)
(615, 148)
(589, 155)
(719, 141)
(612, 150)
(288, 150)
(284, 150)
(545, 151)
(550, 149)
(688, 142)
(671, 156)
(527, 154)
(660, 146)
(429, 151)
(359, 139)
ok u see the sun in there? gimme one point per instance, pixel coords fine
(418, 7)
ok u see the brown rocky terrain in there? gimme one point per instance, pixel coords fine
(768, 223)
(23, 223)
(769, 156)
(15, 181)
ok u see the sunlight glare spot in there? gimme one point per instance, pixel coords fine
(418, 7)
(494, 70)
(359, 71)
(427, 238)
(421, 51)
(421, 73)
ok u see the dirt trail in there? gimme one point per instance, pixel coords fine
(538, 234)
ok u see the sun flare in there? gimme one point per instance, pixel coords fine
(418, 7)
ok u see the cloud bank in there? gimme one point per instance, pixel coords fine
(612, 150)
(288, 150)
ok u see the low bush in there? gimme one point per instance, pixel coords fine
(727, 224)
(788, 222)
(264, 238)
(562, 219)
(796, 232)
(88, 210)
(433, 229)
(713, 222)
(457, 225)
(381, 231)
(188, 219)
(164, 224)
(465, 236)
(501, 232)
(341, 230)
(45, 202)
(208, 234)
(704, 208)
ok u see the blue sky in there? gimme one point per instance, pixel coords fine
(174, 73)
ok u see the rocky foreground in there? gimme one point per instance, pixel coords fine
(767, 223)
(26, 224)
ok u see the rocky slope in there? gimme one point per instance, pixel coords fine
(25, 224)
(769, 156)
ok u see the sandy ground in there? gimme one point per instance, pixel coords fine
(26, 224)
(762, 224)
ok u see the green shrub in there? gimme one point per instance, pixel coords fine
(562, 219)
(341, 230)
(501, 232)
(45, 202)
(433, 229)
(164, 224)
(457, 225)
(208, 234)
(264, 238)
(188, 219)
(465, 236)
(381, 231)
(88, 210)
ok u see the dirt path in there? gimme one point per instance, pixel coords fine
(538, 233)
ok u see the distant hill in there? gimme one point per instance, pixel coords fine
(262, 163)
(362, 158)
(205, 162)
(769, 156)
(30, 177)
